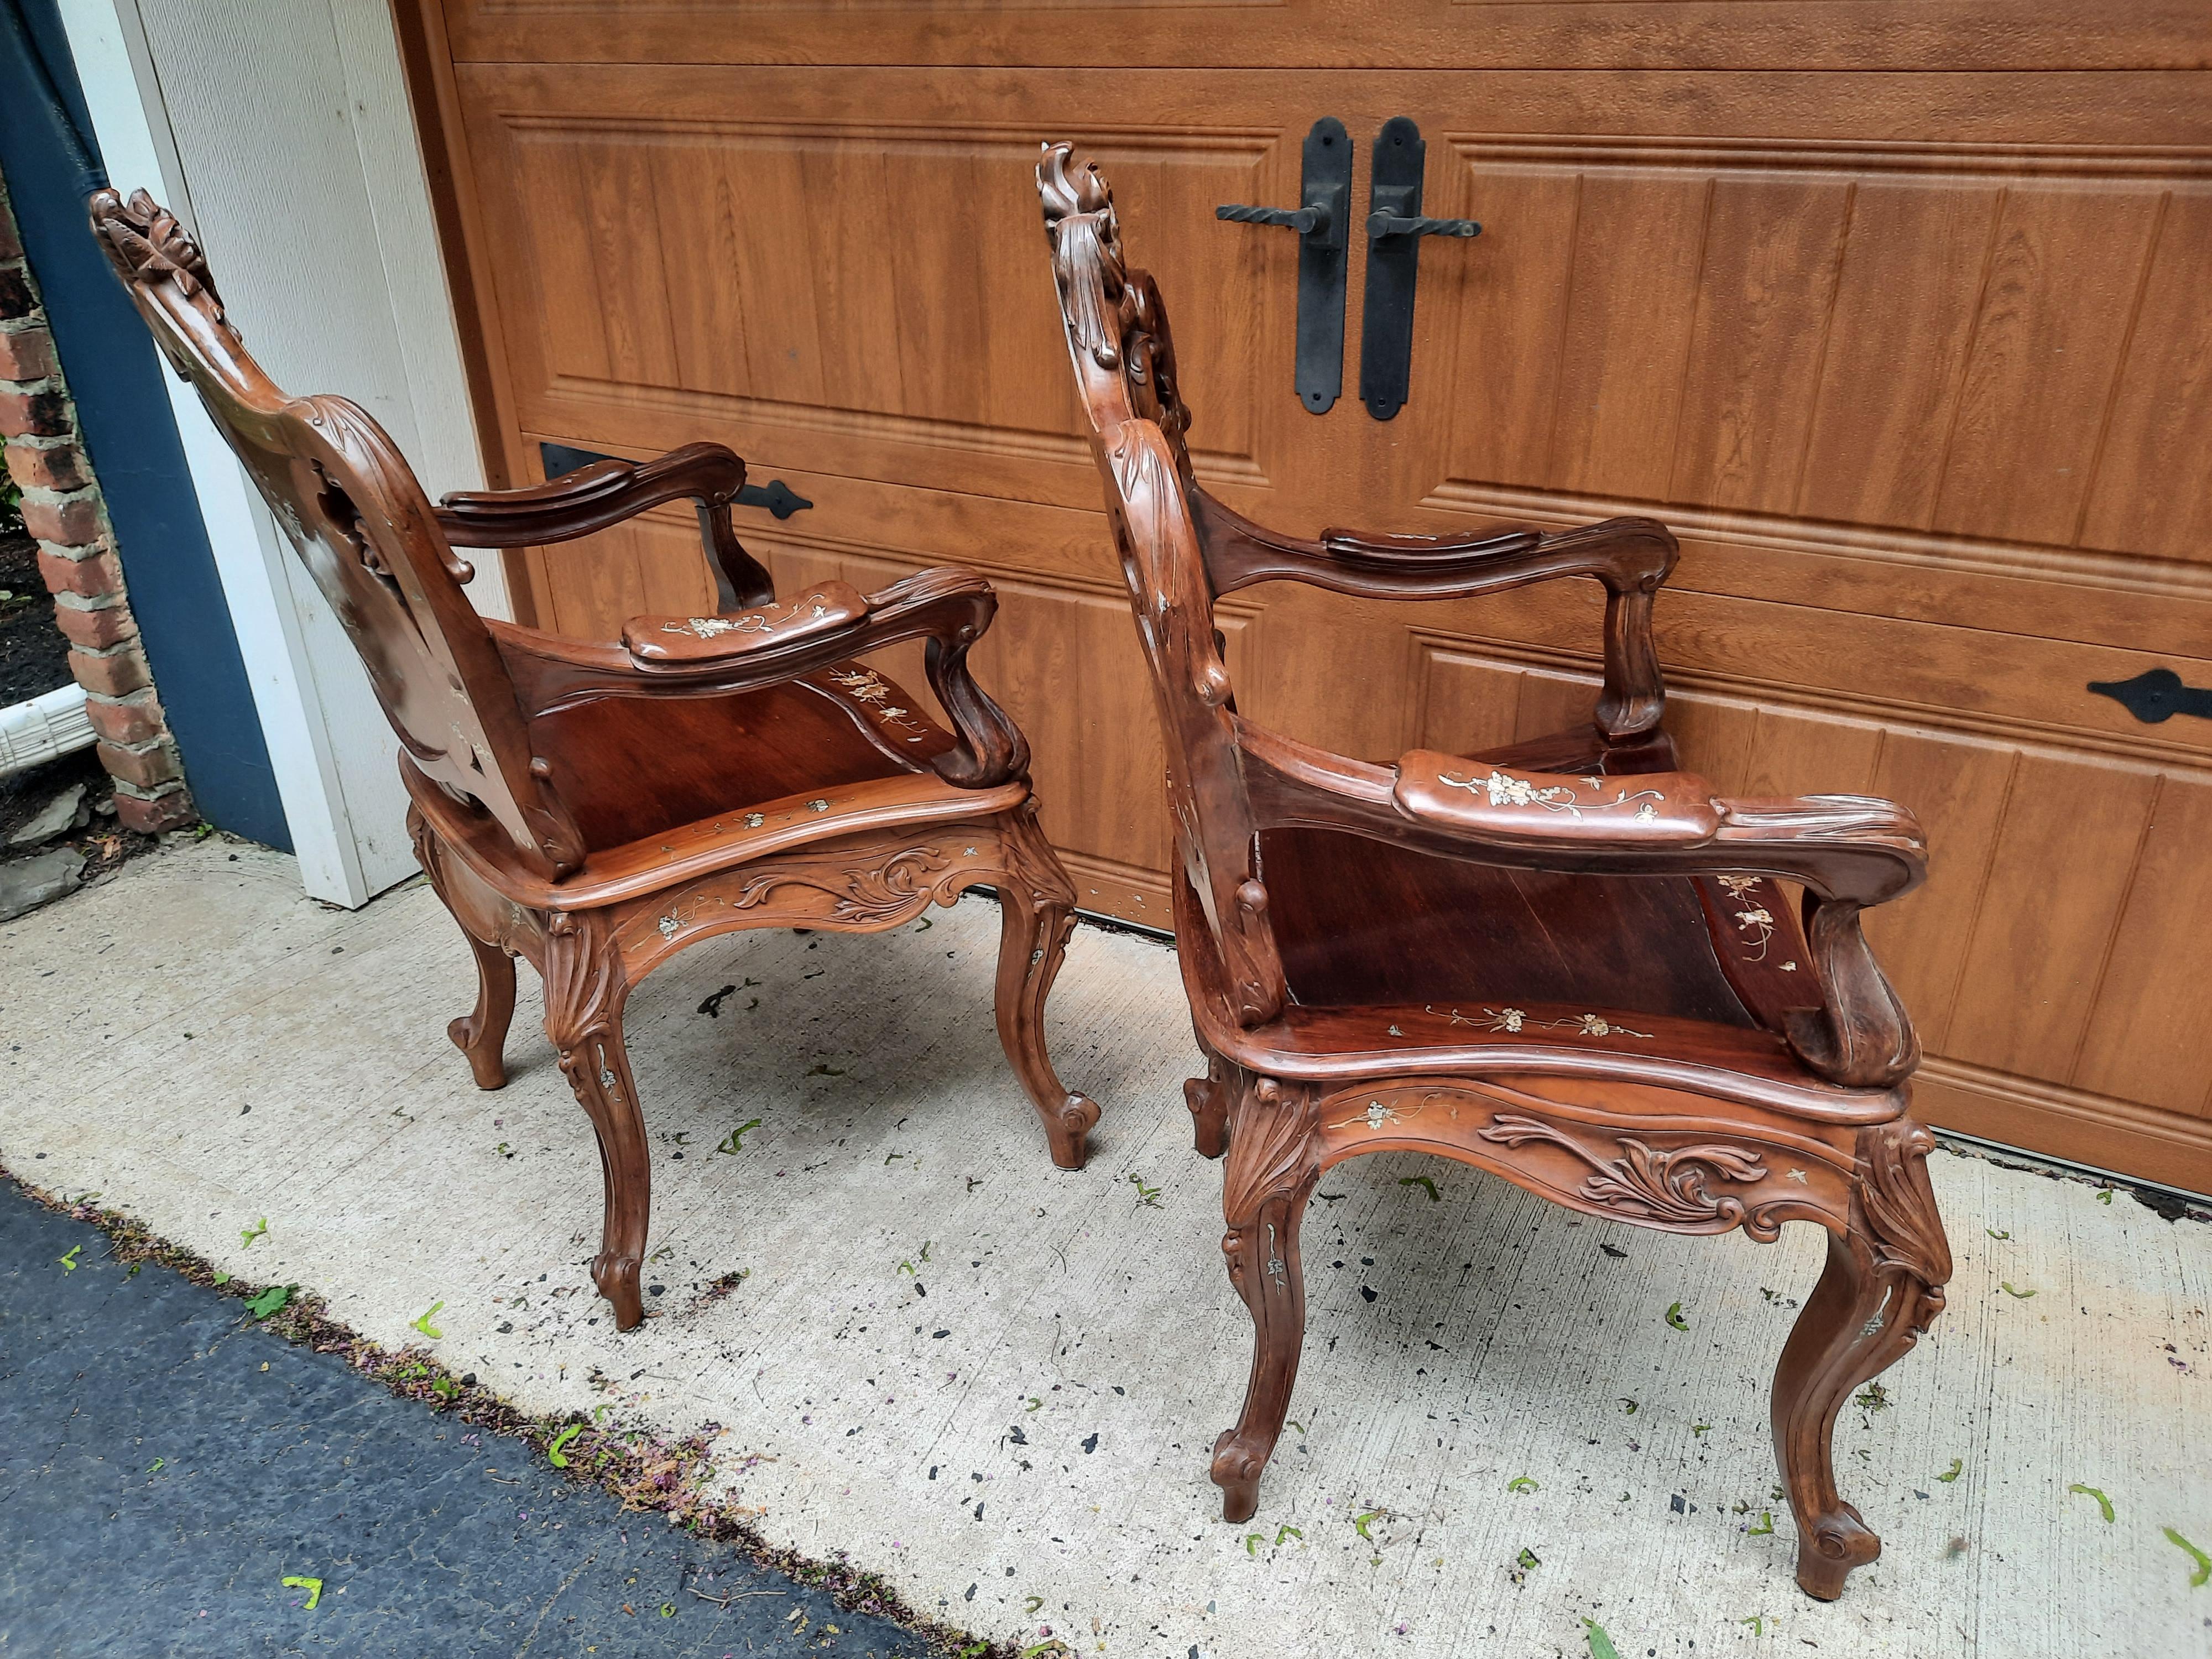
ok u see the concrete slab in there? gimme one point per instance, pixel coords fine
(996, 1383)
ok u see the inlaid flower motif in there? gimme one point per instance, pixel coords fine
(1504, 789)
(1374, 1117)
(1754, 920)
(1517, 1019)
(708, 627)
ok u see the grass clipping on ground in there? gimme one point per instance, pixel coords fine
(647, 1473)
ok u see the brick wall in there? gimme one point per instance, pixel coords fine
(63, 509)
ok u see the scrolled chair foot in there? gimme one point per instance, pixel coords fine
(1239, 1460)
(1067, 1132)
(1831, 1548)
(616, 1275)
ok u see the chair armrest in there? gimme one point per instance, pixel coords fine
(1847, 851)
(1852, 848)
(688, 642)
(1630, 557)
(605, 494)
(948, 607)
(1652, 809)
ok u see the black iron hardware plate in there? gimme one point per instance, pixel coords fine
(2155, 695)
(777, 497)
(1395, 226)
(1325, 198)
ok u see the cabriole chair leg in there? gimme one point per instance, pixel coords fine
(585, 990)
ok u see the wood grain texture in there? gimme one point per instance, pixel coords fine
(1771, 35)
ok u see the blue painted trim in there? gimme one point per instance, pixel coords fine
(51, 161)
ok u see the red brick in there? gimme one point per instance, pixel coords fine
(149, 815)
(112, 673)
(134, 720)
(25, 354)
(72, 521)
(96, 629)
(47, 467)
(89, 578)
(16, 299)
(150, 769)
(33, 414)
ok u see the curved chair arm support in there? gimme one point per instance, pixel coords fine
(1630, 557)
(949, 607)
(1848, 852)
(605, 494)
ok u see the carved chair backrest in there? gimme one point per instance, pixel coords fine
(362, 525)
(1124, 361)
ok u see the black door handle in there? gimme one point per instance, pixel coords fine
(1305, 221)
(1325, 191)
(1381, 224)
(1396, 225)
(2156, 694)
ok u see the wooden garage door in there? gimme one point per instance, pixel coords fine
(1896, 311)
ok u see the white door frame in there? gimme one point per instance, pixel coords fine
(256, 167)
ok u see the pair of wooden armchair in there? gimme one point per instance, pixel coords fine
(1567, 962)
(598, 807)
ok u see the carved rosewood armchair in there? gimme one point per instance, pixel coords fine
(1566, 961)
(598, 807)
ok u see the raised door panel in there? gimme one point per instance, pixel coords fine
(1908, 337)
(855, 286)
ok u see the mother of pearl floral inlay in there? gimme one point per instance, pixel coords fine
(865, 686)
(1514, 1019)
(752, 622)
(1505, 790)
(1754, 918)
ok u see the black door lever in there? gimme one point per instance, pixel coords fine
(1306, 220)
(1325, 191)
(1396, 225)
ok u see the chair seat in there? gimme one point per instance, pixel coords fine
(632, 767)
(1361, 923)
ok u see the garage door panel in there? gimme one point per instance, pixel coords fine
(1916, 364)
